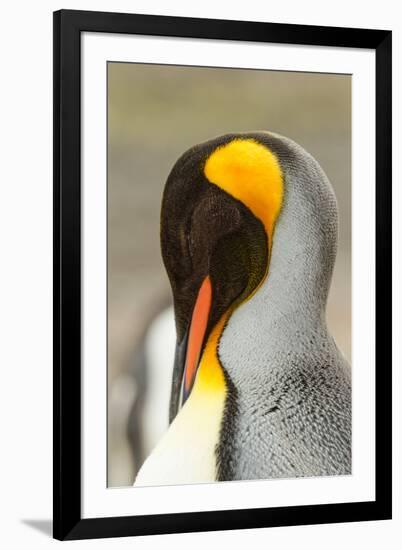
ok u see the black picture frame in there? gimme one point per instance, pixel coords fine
(68, 26)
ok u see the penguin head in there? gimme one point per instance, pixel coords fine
(248, 234)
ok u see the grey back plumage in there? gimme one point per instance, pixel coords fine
(292, 415)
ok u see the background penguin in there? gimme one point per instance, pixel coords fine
(148, 418)
(260, 389)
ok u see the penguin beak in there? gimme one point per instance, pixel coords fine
(196, 335)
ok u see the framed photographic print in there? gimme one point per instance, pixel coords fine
(222, 274)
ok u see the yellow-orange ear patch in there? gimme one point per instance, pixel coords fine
(251, 173)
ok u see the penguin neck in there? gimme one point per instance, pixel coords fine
(301, 263)
(289, 305)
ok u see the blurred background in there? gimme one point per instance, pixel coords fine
(155, 113)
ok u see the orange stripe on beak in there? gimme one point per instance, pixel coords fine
(199, 322)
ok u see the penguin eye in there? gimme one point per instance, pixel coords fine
(190, 244)
(178, 256)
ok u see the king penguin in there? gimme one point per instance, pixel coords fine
(260, 390)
